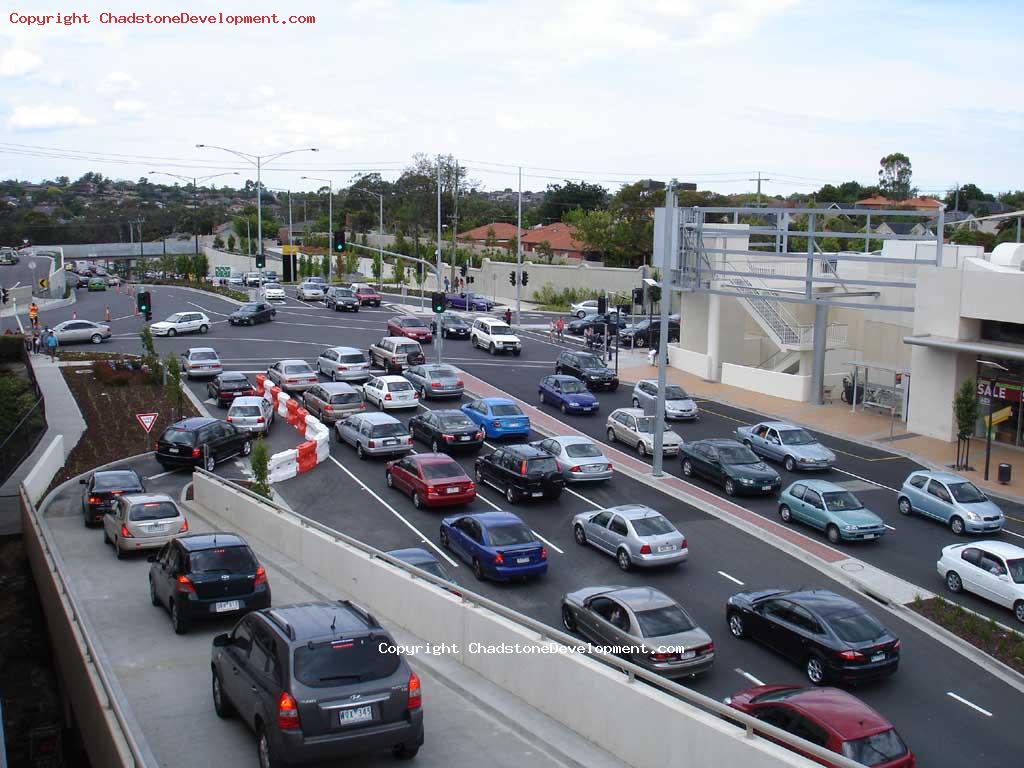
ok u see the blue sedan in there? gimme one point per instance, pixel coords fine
(568, 393)
(498, 416)
(471, 302)
(496, 545)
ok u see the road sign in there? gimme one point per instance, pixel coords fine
(147, 420)
(32, 265)
(43, 282)
(221, 271)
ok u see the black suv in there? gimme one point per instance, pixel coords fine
(521, 472)
(647, 332)
(102, 489)
(598, 323)
(341, 300)
(317, 682)
(252, 313)
(730, 464)
(201, 442)
(205, 575)
(588, 368)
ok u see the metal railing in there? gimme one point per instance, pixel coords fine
(22, 439)
(778, 319)
(632, 672)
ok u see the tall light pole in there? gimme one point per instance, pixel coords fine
(439, 341)
(258, 161)
(996, 368)
(195, 192)
(330, 211)
(519, 246)
(380, 240)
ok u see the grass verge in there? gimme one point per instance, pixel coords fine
(984, 634)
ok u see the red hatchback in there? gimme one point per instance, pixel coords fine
(410, 327)
(367, 295)
(432, 479)
(830, 718)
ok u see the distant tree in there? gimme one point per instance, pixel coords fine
(894, 176)
(218, 243)
(200, 266)
(378, 267)
(559, 199)
(964, 236)
(259, 461)
(968, 194)
(325, 265)
(399, 271)
(351, 262)
(231, 243)
(182, 264)
(303, 265)
(174, 391)
(490, 239)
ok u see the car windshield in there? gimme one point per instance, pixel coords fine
(352, 358)
(454, 420)
(967, 493)
(343, 293)
(244, 410)
(499, 329)
(1016, 568)
(211, 355)
(782, 695)
(675, 392)
(105, 481)
(796, 437)
(541, 466)
(582, 451)
(345, 398)
(573, 387)
(411, 322)
(442, 372)
(178, 436)
(174, 318)
(234, 383)
(645, 424)
(153, 510)
(659, 622)
(508, 535)
(877, 749)
(737, 455)
(222, 559)
(247, 309)
(434, 569)
(454, 320)
(293, 369)
(856, 627)
(399, 386)
(437, 470)
(346, 659)
(590, 361)
(655, 525)
(272, 287)
(506, 409)
(841, 501)
(396, 429)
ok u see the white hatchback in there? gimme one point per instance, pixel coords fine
(390, 392)
(181, 322)
(993, 570)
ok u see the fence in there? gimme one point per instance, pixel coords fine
(23, 438)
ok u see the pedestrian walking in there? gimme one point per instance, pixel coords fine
(551, 331)
(447, 284)
(106, 314)
(508, 316)
(560, 329)
(51, 344)
(33, 314)
(35, 341)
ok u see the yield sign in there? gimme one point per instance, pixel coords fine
(147, 420)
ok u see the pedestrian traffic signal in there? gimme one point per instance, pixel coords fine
(339, 241)
(512, 277)
(464, 270)
(437, 301)
(470, 279)
(261, 260)
(526, 277)
(638, 296)
(602, 305)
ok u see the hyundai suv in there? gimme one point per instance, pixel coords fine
(521, 472)
(317, 682)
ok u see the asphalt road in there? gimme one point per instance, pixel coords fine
(926, 694)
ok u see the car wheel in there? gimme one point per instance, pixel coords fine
(434, 447)
(636, 403)
(1018, 610)
(579, 534)
(540, 396)
(450, 304)
(730, 487)
(611, 435)
(152, 594)
(492, 349)
(814, 667)
(96, 338)
(404, 752)
(516, 352)
(389, 480)
(622, 558)
(444, 539)
(785, 514)
(641, 448)
(687, 468)
(565, 408)
(204, 328)
(478, 571)
(832, 532)
(736, 628)
(360, 452)
(903, 505)
(210, 463)
(954, 582)
(247, 447)
(178, 622)
(268, 756)
(221, 705)
(568, 620)
(423, 393)
(956, 524)
(118, 552)
(334, 375)
(510, 495)
(106, 538)
(417, 501)
(172, 332)
(614, 387)
(789, 463)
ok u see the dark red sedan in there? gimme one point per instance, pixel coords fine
(432, 479)
(830, 718)
(225, 387)
(410, 327)
(367, 295)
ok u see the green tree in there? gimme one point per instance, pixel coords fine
(200, 266)
(259, 461)
(175, 393)
(351, 263)
(231, 242)
(362, 239)
(303, 265)
(965, 409)
(325, 265)
(894, 176)
(218, 243)
(490, 239)
(378, 268)
(966, 198)
(559, 199)
(399, 271)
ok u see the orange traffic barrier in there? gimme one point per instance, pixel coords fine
(261, 379)
(274, 392)
(292, 407)
(300, 418)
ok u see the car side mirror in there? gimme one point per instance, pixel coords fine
(1004, 577)
(222, 640)
(151, 559)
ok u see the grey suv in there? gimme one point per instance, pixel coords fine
(317, 682)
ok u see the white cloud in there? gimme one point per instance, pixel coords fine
(45, 116)
(264, 92)
(132, 106)
(117, 82)
(18, 61)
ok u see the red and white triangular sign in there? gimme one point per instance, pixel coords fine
(147, 420)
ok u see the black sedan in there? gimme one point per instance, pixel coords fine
(452, 326)
(252, 313)
(647, 332)
(444, 430)
(225, 387)
(729, 464)
(831, 637)
(102, 489)
(588, 368)
(598, 323)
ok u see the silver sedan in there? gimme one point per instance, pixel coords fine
(310, 292)
(81, 330)
(433, 380)
(633, 534)
(579, 458)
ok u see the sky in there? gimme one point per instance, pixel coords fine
(608, 91)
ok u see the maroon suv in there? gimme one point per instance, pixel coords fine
(367, 296)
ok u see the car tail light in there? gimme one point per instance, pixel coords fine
(522, 467)
(184, 584)
(459, 383)
(408, 440)
(435, 384)
(196, 453)
(95, 500)
(387, 396)
(415, 692)
(470, 487)
(362, 406)
(228, 419)
(609, 467)
(658, 656)
(156, 445)
(577, 468)
(896, 645)
(125, 533)
(850, 655)
(287, 712)
(701, 650)
(682, 544)
(543, 553)
(415, 395)
(448, 438)
(261, 576)
(497, 423)
(480, 434)
(259, 420)
(184, 527)
(432, 491)
(645, 549)
(329, 408)
(499, 559)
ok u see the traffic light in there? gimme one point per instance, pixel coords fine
(470, 279)
(144, 304)
(512, 277)
(638, 297)
(339, 241)
(437, 300)
(463, 270)
(526, 277)
(261, 260)
(602, 305)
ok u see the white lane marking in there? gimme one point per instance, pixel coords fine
(548, 543)
(209, 311)
(485, 500)
(732, 579)
(395, 512)
(749, 676)
(580, 496)
(1013, 534)
(866, 480)
(164, 474)
(973, 706)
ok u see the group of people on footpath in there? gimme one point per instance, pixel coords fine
(39, 341)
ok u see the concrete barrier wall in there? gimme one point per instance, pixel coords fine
(49, 464)
(596, 701)
(785, 385)
(240, 263)
(687, 360)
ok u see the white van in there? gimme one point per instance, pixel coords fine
(495, 336)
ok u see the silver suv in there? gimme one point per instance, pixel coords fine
(332, 401)
(343, 364)
(374, 434)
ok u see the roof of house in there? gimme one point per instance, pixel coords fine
(559, 236)
(502, 231)
(905, 227)
(881, 201)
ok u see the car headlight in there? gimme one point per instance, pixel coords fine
(973, 516)
(850, 527)
(746, 481)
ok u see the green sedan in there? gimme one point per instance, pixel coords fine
(97, 284)
(830, 508)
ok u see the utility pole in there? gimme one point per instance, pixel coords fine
(289, 219)
(455, 225)
(519, 247)
(759, 179)
(956, 198)
(666, 301)
(439, 339)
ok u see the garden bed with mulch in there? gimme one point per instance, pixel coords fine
(109, 399)
(984, 634)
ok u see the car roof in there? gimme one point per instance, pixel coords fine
(1001, 548)
(99, 472)
(719, 442)
(190, 350)
(641, 598)
(336, 387)
(634, 511)
(527, 451)
(630, 411)
(247, 400)
(823, 601)
(378, 417)
(405, 317)
(497, 401)
(346, 350)
(824, 486)
(236, 375)
(412, 555)
(777, 425)
(194, 542)
(292, 361)
(401, 339)
(193, 423)
(435, 458)
(494, 518)
(312, 621)
(392, 378)
(572, 440)
(845, 714)
(563, 377)
(148, 498)
(945, 477)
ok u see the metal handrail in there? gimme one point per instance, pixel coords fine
(546, 632)
(141, 754)
(17, 426)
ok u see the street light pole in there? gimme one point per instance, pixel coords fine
(666, 300)
(519, 247)
(330, 216)
(195, 193)
(440, 336)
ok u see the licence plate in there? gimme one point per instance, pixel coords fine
(689, 654)
(766, 487)
(452, 490)
(869, 535)
(390, 442)
(522, 560)
(355, 715)
(878, 656)
(172, 450)
(669, 548)
(464, 438)
(227, 605)
(537, 494)
(592, 468)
